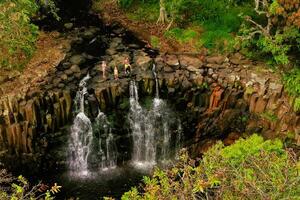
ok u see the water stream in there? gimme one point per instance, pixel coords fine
(82, 138)
(151, 129)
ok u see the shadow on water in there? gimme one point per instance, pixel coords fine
(96, 185)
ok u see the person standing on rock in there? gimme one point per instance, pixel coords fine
(103, 65)
(116, 73)
(127, 66)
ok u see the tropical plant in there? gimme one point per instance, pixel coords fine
(249, 169)
(274, 32)
(17, 34)
(292, 86)
(19, 189)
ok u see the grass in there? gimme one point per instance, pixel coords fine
(155, 41)
(148, 12)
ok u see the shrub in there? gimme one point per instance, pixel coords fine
(20, 189)
(292, 86)
(181, 35)
(17, 34)
(125, 3)
(274, 33)
(249, 169)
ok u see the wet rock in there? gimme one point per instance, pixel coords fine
(111, 51)
(64, 77)
(172, 60)
(89, 33)
(215, 59)
(186, 84)
(134, 46)
(193, 69)
(69, 72)
(143, 62)
(118, 31)
(77, 75)
(68, 25)
(66, 65)
(75, 69)
(215, 76)
(56, 81)
(210, 71)
(188, 60)
(77, 59)
(168, 69)
(61, 85)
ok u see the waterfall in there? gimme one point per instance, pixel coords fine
(151, 132)
(82, 136)
(156, 81)
(79, 99)
(106, 143)
(142, 138)
(80, 144)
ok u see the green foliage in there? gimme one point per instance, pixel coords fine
(271, 35)
(17, 34)
(249, 169)
(125, 3)
(51, 7)
(181, 35)
(21, 189)
(146, 11)
(268, 115)
(292, 86)
(155, 42)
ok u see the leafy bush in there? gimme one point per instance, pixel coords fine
(17, 34)
(20, 189)
(274, 33)
(125, 3)
(292, 85)
(181, 35)
(249, 169)
(146, 11)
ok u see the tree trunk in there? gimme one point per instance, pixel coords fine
(162, 13)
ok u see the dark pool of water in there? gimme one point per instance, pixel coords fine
(96, 185)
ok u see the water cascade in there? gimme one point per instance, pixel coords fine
(81, 135)
(106, 144)
(82, 140)
(151, 129)
(143, 145)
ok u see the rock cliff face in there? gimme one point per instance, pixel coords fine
(227, 96)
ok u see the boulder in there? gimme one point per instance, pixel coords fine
(111, 51)
(89, 33)
(172, 60)
(69, 72)
(168, 69)
(77, 59)
(143, 62)
(215, 59)
(68, 25)
(188, 60)
(193, 69)
(75, 69)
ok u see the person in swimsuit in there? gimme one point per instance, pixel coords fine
(127, 66)
(103, 65)
(116, 73)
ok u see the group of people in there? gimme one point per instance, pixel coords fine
(127, 69)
